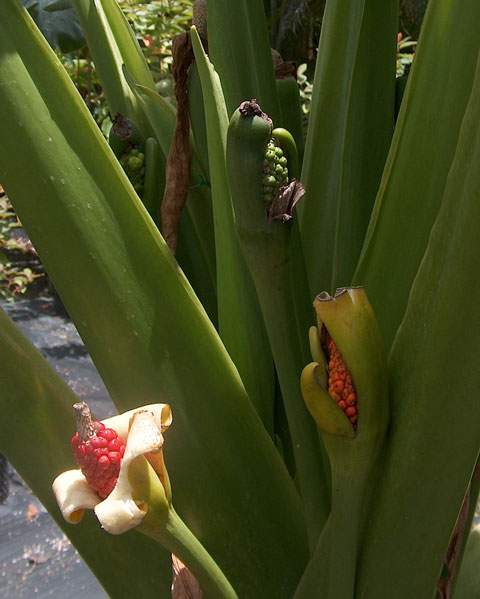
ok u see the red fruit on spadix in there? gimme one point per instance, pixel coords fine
(98, 451)
(340, 384)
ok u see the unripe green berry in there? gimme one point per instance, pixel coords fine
(270, 155)
(275, 172)
(134, 163)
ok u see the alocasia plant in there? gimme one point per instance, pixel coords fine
(380, 209)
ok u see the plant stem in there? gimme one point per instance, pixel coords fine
(269, 264)
(180, 541)
(331, 571)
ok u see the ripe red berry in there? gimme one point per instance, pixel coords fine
(98, 451)
(340, 385)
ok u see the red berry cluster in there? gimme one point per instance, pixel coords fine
(340, 384)
(99, 457)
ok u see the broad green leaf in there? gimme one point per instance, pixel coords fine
(434, 435)
(196, 114)
(349, 133)
(193, 262)
(240, 320)
(35, 434)
(422, 151)
(140, 320)
(239, 47)
(120, 34)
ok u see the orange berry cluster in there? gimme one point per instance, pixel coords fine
(340, 384)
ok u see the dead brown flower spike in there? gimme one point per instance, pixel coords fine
(177, 170)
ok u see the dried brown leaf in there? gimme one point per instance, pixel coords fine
(285, 201)
(184, 585)
(177, 170)
(32, 512)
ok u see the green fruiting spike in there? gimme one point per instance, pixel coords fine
(133, 163)
(275, 171)
(327, 414)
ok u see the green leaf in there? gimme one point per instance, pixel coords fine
(238, 36)
(348, 136)
(421, 154)
(434, 435)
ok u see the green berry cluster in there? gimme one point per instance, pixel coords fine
(133, 163)
(275, 171)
